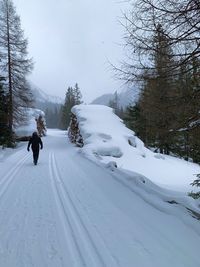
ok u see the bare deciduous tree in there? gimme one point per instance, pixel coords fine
(180, 20)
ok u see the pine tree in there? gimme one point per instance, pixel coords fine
(157, 94)
(196, 183)
(77, 94)
(115, 105)
(66, 109)
(168, 65)
(15, 63)
(189, 98)
(52, 116)
(194, 128)
(4, 131)
(73, 97)
(135, 121)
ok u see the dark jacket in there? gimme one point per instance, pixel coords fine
(34, 142)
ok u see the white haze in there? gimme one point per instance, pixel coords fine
(73, 41)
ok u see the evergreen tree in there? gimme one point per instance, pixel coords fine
(196, 183)
(4, 130)
(77, 94)
(15, 63)
(194, 127)
(188, 111)
(73, 97)
(156, 98)
(66, 109)
(135, 121)
(115, 105)
(52, 116)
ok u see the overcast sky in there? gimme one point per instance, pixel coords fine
(72, 41)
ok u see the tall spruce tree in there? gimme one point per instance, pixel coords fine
(134, 120)
(15, 63)
(115, 105)
(188, 84)
(194, 122)
(4, 130)
(77, 94)
(73, 97)
(158, 91)
(66, 109)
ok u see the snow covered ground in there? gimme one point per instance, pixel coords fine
(71, 211)
(107, 140)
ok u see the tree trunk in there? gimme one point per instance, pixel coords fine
(10, 105)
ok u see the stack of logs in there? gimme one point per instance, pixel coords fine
(74, 132)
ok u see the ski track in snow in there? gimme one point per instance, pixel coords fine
(69, 212)
(86, 248)
(8, 179)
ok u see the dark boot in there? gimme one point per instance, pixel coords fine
(35, 157)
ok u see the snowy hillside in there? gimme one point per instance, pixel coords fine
(107, 140)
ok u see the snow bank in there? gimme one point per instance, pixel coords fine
(30, 125)
(106, 139)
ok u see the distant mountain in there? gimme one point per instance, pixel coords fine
(41, 96)
(51, 105)
(125, 98)
(103, 100)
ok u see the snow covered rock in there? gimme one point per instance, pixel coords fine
(112, 165)
(106, 139)
(30, 126)
(103, 133)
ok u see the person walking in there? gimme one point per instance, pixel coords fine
(36, 144)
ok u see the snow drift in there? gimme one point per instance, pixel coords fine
(108, 140)
(30, 125)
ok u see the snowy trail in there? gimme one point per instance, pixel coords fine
(86, 248)
(67, 211)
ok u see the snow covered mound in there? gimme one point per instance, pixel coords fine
(107, 139)
(30, 125)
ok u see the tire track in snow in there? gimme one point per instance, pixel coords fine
(7, 180)
(87, 244)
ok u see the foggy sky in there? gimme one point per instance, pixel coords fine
(72, 41)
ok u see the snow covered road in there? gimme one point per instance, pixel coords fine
(69, 212)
